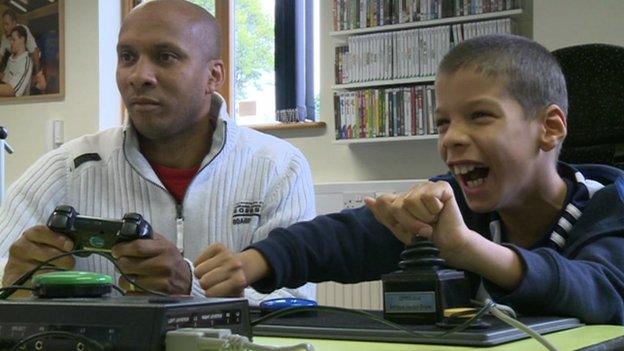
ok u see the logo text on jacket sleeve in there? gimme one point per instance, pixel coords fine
(244, 211)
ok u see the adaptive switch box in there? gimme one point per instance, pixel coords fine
(118, 323)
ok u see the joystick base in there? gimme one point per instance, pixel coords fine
(421, 296)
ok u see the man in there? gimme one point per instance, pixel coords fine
(15, 80)
(184, 165)
(9, 22)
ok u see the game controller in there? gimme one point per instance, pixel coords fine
(97, 234)
(273, 305)
(285, 302)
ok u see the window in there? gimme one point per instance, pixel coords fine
(254, 61)
(252, 77)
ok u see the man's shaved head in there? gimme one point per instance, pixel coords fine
(168, 67)
(204, 26)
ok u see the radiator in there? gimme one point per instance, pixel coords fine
(363, 296)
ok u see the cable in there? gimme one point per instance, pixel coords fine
(237, 342)
(482, 311)
(16, 287)
(62, 334)
(53, 268)
(501, 314)
(507, 315)
(293, 310)
(208, 339)
(26, 276)
(506, 309)
(120, 290)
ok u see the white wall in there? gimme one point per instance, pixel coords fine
(87, 107)
(83, 109)
(561, 23)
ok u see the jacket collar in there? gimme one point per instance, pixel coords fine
(223, 137)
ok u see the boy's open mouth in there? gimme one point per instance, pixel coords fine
(471, 175)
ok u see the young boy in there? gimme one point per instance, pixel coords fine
(545, 239)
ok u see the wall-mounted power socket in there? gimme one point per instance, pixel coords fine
(354, 200)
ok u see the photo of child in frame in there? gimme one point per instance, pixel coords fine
(30, 48)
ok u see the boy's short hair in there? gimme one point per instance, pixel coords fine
(532, 74)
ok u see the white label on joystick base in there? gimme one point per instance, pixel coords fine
(410, 302)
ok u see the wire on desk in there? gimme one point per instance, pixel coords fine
(6, 293)
(16, 287)
(287, 311)
(501, 314)
(504, 313)
(238, 342)
(210, 339)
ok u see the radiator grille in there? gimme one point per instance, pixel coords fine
(364, 296)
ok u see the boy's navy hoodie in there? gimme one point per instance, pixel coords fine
(582, 276)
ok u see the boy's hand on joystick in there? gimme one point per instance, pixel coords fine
(383, 208)
(435, 205)
(428, 210)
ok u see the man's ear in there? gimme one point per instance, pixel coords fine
(217, 76)
(554, 129)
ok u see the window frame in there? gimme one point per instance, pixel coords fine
(224, 13)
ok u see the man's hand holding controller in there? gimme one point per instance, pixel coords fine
(37, 244)
(155, 264)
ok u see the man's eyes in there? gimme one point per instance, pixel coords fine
(125, 56)
(162, 57)
(167, 57)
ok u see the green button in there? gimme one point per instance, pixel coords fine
(72, 278)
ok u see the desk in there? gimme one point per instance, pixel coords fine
(610, 337)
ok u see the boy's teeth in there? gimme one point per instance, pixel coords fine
(475, 183)
(463, 169)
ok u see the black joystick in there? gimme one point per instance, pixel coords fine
(97, 234)
(424, 287)
(3, 133)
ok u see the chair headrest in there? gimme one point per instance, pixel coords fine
(595, 79)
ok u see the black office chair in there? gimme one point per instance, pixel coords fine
(595, 80)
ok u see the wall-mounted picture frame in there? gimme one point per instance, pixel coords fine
(32, 59)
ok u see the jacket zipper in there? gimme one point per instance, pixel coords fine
(179, 209)
(179, 228)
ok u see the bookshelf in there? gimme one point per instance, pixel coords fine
(381, 83)
(426, 23)
(385, 63)
(386, 139)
